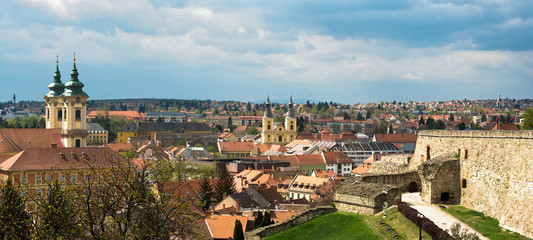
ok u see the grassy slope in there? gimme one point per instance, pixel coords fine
(341, 225)
(338, 225)
(404, 226)
(483, 224)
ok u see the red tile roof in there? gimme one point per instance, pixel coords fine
(336, 157)
(222, 226)
(236, 146)
(58, 158)
(17, 139)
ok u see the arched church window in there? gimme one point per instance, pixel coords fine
(78, 143)
(59, 115)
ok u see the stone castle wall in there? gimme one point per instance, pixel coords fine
(402, 179)
(367, 205)
(496, 171)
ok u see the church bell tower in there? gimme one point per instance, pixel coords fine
(68, 109)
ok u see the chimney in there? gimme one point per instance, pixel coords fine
(223, 205)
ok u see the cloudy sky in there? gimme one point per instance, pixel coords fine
(345, 51)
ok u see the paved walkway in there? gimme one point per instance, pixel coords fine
(442, 219)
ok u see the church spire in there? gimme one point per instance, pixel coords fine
(268, 112)
(56, 87)
(74, 86)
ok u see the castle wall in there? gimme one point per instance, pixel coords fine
(496, 168)
(402, 180)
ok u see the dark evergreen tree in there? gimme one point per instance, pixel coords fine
(452, 118)
(15, 222)
(483, 117)
(440, 124)
(205, 194)
(359, 116)
(238, 233)
(368, 114)
(421, 121)
(224, 186)
(258, 219)
(266, 219)
(430, 120)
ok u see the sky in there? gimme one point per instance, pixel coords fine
(351, 51)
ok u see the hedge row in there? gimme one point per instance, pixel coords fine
(429, 226)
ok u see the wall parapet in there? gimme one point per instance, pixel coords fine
(300, 218)
(513, 134)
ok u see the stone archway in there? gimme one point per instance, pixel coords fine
(413, 187)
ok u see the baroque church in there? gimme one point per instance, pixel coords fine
(279, 132)
(66, 108)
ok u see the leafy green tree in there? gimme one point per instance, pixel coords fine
(15, 222)
(59, 214)
(461, 126)
(528, 119)
(205, 194)
(238, 233)
(224, 186)
(252, 130)
(210, 148)
(483, 118)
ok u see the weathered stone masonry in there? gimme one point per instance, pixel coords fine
(494, 170)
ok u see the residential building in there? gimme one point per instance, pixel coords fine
(305, 186)
(97, 134)
(168, 117)
(128, 115)
(236, 149)
(167, 133)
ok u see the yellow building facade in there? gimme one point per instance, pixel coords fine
(278, 132)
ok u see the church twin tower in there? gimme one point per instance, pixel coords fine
(66, 108)
(279, 133)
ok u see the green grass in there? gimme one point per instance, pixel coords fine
(404, 226)
(485, 225)
(338, 225)
(342, 225)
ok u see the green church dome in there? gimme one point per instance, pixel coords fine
(74, 86)
(56, 87)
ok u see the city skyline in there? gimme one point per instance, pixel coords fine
(338, 51)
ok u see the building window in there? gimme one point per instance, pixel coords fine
(38, 192)
(466, 154)
(62, 178)
(49, 178)
(38, 179)
(24, 179)
(78, 115)
(428, 156)
(60, 115)
(464, 183)
(74, 177)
